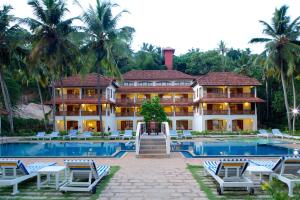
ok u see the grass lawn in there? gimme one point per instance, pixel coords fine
(208, 186)
(28, 190)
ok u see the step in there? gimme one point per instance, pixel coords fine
(152, 151)
(153, 147)
(152, 142)
(153, 156)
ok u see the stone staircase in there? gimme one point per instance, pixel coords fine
(153, 147)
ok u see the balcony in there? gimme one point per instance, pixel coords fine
(125, 114)
(215, 112)
(141, 100)
(241, 95)
(91, 113)
(67, 113)
(242, 112)
(125, 101)
(216, 95)
(183, 100)
(170, 114)
(184, 113)
(90, 96)
(166, 100)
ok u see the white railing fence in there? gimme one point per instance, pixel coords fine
(140, 129)
(166, 130)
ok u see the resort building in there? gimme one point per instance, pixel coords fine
(215, 101)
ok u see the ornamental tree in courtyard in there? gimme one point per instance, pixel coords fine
(151, 110)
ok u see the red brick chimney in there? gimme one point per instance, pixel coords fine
(168, 54)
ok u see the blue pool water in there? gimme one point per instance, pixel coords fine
(66, 149)
(231, 148)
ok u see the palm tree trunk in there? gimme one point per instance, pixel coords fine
(294, 102)
(283, 82)
(267, 99)
(63, 103)
(99, 92)
(42, 103)
(53, 104)
(7, 101)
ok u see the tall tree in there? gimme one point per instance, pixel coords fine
(103, 35)
(223, 50)
(281, 47)
(51, 43)
(11, 53)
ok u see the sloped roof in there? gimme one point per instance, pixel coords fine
(156, 89)
(226, 78)
(89, 80)
(156, 75)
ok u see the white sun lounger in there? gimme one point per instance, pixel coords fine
(114, 135)
(84, 175)
(71, 134)
(229, 173)
(40, 135)
(264, 133)
(278, 133)
(173, 134)
(127, 134)
(187, 134)
(54, 134)
(15, 172)
(85, 135)
(287, 171)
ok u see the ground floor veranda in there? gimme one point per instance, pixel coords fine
(196, 123)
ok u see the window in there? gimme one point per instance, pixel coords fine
(187, 83)
(164, 83)
(144, 83)
(128, 83)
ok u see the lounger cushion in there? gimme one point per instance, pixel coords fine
(266, 163)
(102, 170)
(211, 165)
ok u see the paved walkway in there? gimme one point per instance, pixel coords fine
(146, 178)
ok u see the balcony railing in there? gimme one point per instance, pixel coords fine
(90, 96)
(242, 112)
(67, 113)
(215, 112)
(141, 100)
(184, 113)
(216, 95)
(170, 113)
(166, 100)
(91, 113)
(243, 95)
(183, 100)
(125, 101)
(125, 114)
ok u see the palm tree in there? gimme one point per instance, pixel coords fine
(11, 53)
(103, 35)
(51, 44)
(223, 50)
(281, 47)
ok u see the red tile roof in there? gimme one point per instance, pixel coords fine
(156, 89)
(226, 78)
(156, 75)
(231, 100)
(89, 80)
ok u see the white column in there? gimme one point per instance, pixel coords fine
(173, 124)
(134, 124)
(228, 92)
(229, 125)
(254, 123)
(255, 93)
(80, 124)
(106, 121)
(80, 93)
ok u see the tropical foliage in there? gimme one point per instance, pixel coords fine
(151, 110)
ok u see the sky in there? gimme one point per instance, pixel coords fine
(188, 24)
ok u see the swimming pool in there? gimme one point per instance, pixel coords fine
(65, 149)
(231, 148)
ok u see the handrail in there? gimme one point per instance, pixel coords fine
(165, 129)
(138, 137)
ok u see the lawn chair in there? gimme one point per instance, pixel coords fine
(264, 133)
(278, 133)
(40, 135)
(127, 134)
(287, 172)
(84, 176)
(187, 134)
(229, 173)
(85, 135)
(54, 134)
(15, 172)
(173, 134)
(71, 134)
(114, 135)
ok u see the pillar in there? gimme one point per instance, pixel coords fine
(80, 125)
(173, 124)
(229, 125)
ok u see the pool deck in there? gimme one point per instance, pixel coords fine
(145, 178)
